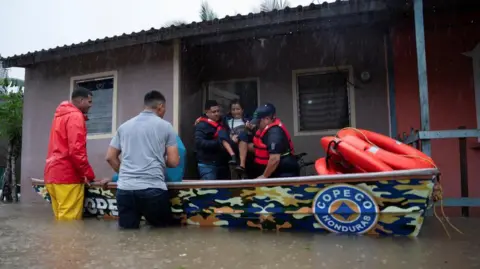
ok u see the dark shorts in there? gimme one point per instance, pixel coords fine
(245, 137)
(223, 135)
(152, 203)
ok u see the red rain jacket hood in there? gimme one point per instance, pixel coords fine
(67, 161)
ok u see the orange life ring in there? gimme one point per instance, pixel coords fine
(322, 169)
(352, 155)
(397, 162)
(385, 142)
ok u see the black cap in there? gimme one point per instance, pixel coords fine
(262, 112)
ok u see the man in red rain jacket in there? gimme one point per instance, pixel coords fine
(67, 167)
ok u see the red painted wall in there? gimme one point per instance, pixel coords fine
(451, 90)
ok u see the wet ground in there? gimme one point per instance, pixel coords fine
(30, 238)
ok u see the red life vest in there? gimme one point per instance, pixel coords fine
(215, 124)
(261, 152)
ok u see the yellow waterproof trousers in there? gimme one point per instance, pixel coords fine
(67, 200)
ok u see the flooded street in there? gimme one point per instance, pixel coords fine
(30, 238)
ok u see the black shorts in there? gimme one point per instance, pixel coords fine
(246, 137)
(152, 203)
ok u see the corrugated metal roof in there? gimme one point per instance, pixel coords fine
(214, 27)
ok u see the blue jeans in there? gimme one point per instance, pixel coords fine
(152, 203)
(212, 172)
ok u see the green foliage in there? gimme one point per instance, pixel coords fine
(5, 83)
(11, 114)
(206, 12)
(12, 82)
(270, 5)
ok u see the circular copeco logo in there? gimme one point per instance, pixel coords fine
(345, 208)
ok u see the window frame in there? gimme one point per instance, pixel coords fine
(206, 84)
(99, 75)
(321, 71)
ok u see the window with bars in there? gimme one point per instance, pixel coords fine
(322, 101)
(100, 115)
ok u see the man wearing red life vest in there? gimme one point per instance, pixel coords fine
(273, 146)
(211, 155)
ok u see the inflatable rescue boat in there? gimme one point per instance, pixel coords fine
(355, 193)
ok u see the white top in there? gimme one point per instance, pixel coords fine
(236, 126)
(234, 123)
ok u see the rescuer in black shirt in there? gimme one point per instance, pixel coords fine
(273, 146)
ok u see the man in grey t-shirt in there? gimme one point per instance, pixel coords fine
(148, 145)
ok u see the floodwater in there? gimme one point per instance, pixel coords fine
(30, 238)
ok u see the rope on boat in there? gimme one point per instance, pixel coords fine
(437, 194)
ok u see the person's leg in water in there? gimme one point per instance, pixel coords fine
(128, 214)
(224, 137)
(67, 200)
(155, 206)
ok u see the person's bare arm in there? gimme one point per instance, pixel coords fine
(251, 147)
(275, 147)
(114, 151)
(172, 158)
(272, 165)
(113, 158)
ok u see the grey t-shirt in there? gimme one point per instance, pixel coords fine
(143, 141)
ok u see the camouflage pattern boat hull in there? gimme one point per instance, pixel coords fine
(390, 203)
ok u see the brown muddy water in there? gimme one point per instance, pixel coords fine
(30, 238)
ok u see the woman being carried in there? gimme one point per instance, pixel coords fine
(238, 133)
(235, 132)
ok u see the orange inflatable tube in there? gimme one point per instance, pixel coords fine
(322, 169)
(335, 168)
(397, 162)
(385, 142)
(353, 155)
(337, 162)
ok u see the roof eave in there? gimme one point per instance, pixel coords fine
(215, 27)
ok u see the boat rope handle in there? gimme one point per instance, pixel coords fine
(437, 194)
(327, 158)
(329, 155)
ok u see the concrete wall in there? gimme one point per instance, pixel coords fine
(451, 90)
(273, 64)
(140, 69)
